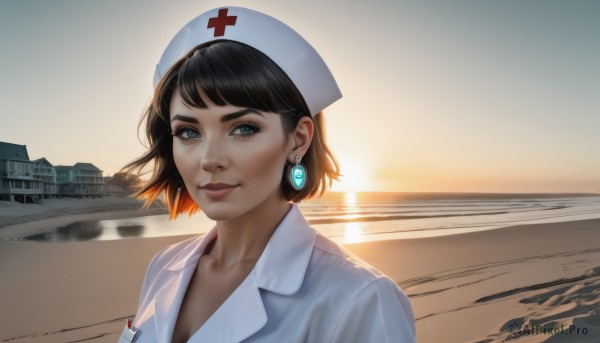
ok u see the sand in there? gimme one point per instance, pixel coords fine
(476, 287)
(464, 288)
(12, 212)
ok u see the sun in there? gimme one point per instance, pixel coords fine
(354, 178)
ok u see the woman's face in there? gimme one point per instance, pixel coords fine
(231, 158)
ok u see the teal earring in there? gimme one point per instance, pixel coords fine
(297, 175)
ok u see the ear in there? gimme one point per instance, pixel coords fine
(301, 138)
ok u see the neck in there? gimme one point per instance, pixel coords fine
(244, 238)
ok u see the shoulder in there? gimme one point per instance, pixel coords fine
(337, 259)
(377, 312)
(341, 264)
(166, 258)
(371, 306)
(175, 251)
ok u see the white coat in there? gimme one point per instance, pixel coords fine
(303, 288)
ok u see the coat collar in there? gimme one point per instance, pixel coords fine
(191, 253)
(283, 263)
(280, 269)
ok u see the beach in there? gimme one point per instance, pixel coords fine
(527, 283)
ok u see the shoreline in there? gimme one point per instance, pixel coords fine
(20, 220)
(25, 229)
(14, 213)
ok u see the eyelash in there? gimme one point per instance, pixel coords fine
(255, 129)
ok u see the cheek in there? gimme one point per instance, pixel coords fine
(264, 162)
(181, 163)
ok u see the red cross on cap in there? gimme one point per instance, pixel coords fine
(220, 22)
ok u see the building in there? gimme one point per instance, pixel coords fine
(45, 172)
(29, 181)
(82, 179)
(111, 188)
(18, 182)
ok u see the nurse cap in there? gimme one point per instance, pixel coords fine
(298, 59)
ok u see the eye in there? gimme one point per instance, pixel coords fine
(185, 133)
(245, 130)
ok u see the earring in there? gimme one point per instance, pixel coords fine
(297, 175)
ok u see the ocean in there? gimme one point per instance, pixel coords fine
(366, 216)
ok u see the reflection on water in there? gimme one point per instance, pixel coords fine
(80, 231)
(350, 199)
(131, 230)
(147, 226)
(353, 233)
(85, 231)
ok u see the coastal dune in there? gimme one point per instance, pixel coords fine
(528, 283)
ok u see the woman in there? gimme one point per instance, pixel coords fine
(235, 129)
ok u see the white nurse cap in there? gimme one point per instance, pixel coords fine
(298, 59)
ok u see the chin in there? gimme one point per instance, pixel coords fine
(221, 211)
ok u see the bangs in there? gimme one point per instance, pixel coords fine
(228, 72)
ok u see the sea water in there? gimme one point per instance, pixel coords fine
(359, 217)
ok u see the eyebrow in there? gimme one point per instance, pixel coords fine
(225, 118)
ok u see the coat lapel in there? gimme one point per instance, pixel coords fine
(280, 269)
(176, 277)
(240, 316)
(168, 301)
(283, 263)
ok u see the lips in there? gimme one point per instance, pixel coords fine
(216, 186)
(215, 191)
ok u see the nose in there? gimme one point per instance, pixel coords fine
(213, 156)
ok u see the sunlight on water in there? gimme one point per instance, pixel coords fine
(351, 203)
(353, 233)
(350, 199)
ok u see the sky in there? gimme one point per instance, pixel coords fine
(438, 96)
